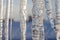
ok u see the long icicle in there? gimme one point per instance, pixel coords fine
(23, 4)
(50, 12)
(11, 19)
(1, 18)
(57, 22)
(6, 24)
(37, 20)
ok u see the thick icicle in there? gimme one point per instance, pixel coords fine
(23, 4)
(50, 12)
(37, 20)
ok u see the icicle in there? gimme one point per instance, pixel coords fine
(11, 19)
(23, 4)
(57, 22)
(1, 18)
(6, 24)
(50, 12)
(37, 20)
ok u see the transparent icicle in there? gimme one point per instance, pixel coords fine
(6, 22)
(57, 22)
(23, 4)
(37, 20)
(50, 12)
(11, 11)
(1, 18)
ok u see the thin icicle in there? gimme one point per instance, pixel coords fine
(57, 25)
(23, 4)
(37, 20)
(11, 19)
(6, 24)
(1, 18)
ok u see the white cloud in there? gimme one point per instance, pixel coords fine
(16, 13)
